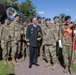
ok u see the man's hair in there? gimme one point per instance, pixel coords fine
(16, 15)
(55, 17)
(38, 18)
(67, 17)
(47, 19)
(62, 17)
(6, 18)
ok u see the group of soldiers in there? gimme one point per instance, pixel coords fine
(56, 37)
(58, 42)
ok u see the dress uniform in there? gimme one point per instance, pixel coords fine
(32, 33)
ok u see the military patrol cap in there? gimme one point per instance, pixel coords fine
(62, 17)
(43, 18)
(38, 18)
(67, 17)
(24, 21)
(16, 15)
(6, 18)
(55, 17)
(47, 19)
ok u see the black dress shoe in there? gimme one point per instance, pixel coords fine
(30, 66)
(36, 64)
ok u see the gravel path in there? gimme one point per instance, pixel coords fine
(23, 69)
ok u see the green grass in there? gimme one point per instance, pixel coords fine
(74, 67)
(6, 69)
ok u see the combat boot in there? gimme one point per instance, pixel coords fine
(5, 62)
(47, 64)
(14, 62)
(65, 69)
(40, 57)
(54, 66)
(70, 70)
(8, 62)
(17, 59)
(27, 56)
(57, 60)
(74, 61)
(22, 59)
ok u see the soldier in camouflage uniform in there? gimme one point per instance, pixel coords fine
(24, 40)
(6, 40)
(57, 25)
(15, 32)
(40, 47)
(62, 20)
(66, 43)
(49, 41)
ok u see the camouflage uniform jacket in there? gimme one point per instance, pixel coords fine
(15, 30)
(49, 35)
(57, 26)
(64, 36)
(24, 28)
(5, 33)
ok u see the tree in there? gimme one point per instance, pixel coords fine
(62, 15)
(28, 10)
(10, 3)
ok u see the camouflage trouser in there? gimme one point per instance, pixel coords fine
(67, 55)
(50, 51)
(6, 49)
(25, 47)
(75, 54)
(14, 49)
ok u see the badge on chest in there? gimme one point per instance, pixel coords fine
(32, 30)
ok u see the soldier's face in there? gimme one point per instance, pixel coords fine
(39, 20)
(48, 23)
(25, 24)
(17, 18)
(68, 21)
(63, 19)
(7, 21)
(56, 20)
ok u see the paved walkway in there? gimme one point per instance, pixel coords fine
(23, 69)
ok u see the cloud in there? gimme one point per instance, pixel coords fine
(67, 9)
(41, 12)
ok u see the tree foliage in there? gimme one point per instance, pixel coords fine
(28, 9)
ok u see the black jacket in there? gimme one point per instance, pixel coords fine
(32, 34)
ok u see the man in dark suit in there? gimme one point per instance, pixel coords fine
(33, 34)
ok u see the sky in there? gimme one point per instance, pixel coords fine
(51, 8)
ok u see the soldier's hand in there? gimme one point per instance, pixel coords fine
(43, 43)
(28, 44)
(15, 41)
(54, 44)
(22, 32)
(2, 41)
(39, 38)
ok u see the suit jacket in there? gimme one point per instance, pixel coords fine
(32, 34)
